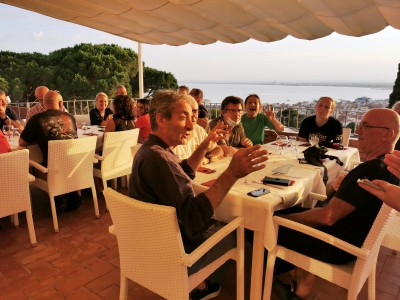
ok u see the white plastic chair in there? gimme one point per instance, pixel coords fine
(79, 119)
(116, 159)
(351, 276)
(151, 250)
(69, 169)
(14, 195)
(392, 236)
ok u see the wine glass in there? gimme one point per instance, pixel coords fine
(83, 126)
(281, 141)
(7, 130)
(313, 139)
(14, 130)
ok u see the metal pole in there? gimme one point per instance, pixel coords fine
(140, 65)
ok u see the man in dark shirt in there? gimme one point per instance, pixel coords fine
(352, 210)
(52, 124)
(158, 177)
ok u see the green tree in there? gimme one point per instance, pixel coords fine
(84, 70)
(3, 84)
(17, 90)
(154, 80)
(395, 95)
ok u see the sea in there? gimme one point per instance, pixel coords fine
(289, 94)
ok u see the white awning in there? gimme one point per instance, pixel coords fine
(178, 22)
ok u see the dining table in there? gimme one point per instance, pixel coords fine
(35, 153)
(258, 211)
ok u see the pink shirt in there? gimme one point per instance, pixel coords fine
(143, 123)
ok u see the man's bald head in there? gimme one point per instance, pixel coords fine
(51, 100)
(40, 91)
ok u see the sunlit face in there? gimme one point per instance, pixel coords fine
(323, 109)
(195, 113)
(101, 103)
(140, 109)
(233, 111)
(369, 135)
(3, 103)
(252, 107)
(179, 127)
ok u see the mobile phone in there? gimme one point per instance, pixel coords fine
(369, 183)
(258, 193)
(277, 181)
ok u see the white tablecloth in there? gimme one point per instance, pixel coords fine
(258, 212)
(36, 155)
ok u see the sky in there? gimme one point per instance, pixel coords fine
(333, 59)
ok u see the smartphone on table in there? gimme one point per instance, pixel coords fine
(258, 192)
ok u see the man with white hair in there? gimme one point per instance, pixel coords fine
(158, 177)
(198, 135)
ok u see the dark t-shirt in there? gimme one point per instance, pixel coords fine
(158, 177)
(203, 112)
(49, 125)
(330, 132)
(355, 227)
(96, 118)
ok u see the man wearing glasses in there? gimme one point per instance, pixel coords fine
(232, 109)
(351, 212)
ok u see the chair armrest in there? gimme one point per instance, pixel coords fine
(38, 166)
(190, 259)
(98, 157)
(316, 196)
(327, 238)
(31, 178)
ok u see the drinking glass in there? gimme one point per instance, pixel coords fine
(281, 141)
(7, 131)
(83, 126)
(313, 139)
(14, 131)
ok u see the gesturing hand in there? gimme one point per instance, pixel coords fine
(216, 134)
(247, 160)
(269, 113)
(393, 162)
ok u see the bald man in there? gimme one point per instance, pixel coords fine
(120, 90)
(351, 212)
(52, 124)
(40, 91)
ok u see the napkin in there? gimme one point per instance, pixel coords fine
(282, 169)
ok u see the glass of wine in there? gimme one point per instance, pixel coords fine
(281, 141)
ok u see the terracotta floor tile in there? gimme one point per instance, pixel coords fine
(104, 281)
(82, 293)
(82, 262)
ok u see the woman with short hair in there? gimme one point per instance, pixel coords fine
(102, 113)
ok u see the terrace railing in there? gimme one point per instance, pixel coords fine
(290, 116)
